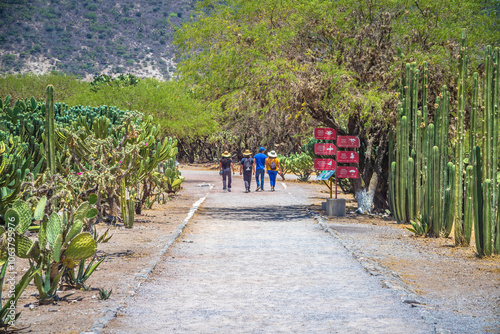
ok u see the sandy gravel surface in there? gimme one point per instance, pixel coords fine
(270, 263)
(258, 263)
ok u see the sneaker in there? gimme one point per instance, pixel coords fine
(258, 188)
(248, 190)
(229, 189)
(272, 188)
(225, 190)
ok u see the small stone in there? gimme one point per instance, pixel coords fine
(31, 306)
(442, 331)
(53, 310)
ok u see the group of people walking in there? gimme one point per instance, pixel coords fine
(249, 166)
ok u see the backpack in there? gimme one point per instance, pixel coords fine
(226, 163)
(247, 164)
(273, 165)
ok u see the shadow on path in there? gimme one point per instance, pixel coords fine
(260, 213)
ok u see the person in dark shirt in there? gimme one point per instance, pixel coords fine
(225, 167)
(247, 168)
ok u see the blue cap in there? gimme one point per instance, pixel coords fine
(261, 149)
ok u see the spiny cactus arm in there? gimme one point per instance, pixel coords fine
(468, 216)
(487, 216)
(78, 162)
(436, 214)
(478, 202)
(449, 212)
(50, 129)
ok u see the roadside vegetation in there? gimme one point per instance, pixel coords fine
(249, 74)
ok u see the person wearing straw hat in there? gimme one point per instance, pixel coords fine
(260, 168)
(225, 167)
(272, 167)
(247, 168)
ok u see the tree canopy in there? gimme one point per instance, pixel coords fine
(337, 63)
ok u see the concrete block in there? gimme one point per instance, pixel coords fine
(335, 207)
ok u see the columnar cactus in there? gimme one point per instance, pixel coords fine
(465, 191)
(460, 239)
(50, 147)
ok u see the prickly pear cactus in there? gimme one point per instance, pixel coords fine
(81, 247)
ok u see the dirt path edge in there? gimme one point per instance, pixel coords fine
(144, 274)
(388, 278)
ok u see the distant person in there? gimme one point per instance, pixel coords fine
(273, 166)
(225, 167)
(260, 168)
(247, 167)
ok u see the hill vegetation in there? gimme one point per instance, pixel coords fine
(254, 73)
(91, 36)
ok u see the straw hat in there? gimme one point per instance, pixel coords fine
(226, 154)
(247, 152)
(272, 154)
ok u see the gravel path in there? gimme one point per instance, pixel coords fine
(258, 263)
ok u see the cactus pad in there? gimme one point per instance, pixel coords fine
(11, 218)
(40, 208)
(54, 228)
(76, 228)
(92, 213)
(81, 247)
(92, 199)
(25, 215)
(23, 246)
(82, 211)
(57, 248)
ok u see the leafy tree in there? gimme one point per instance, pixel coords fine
(337, 62)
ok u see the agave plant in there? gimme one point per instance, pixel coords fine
(8, 315)
(419, 227)
(104, 294)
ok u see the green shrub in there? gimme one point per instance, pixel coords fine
(302, 165)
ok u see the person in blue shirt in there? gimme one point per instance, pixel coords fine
(260, 168)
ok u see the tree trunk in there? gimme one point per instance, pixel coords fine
(364, 196)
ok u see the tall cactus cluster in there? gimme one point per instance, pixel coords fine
(420, 174)
(62, 170)
(437, 183)
(92, 147)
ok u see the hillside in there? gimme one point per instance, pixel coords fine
(91, 36)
